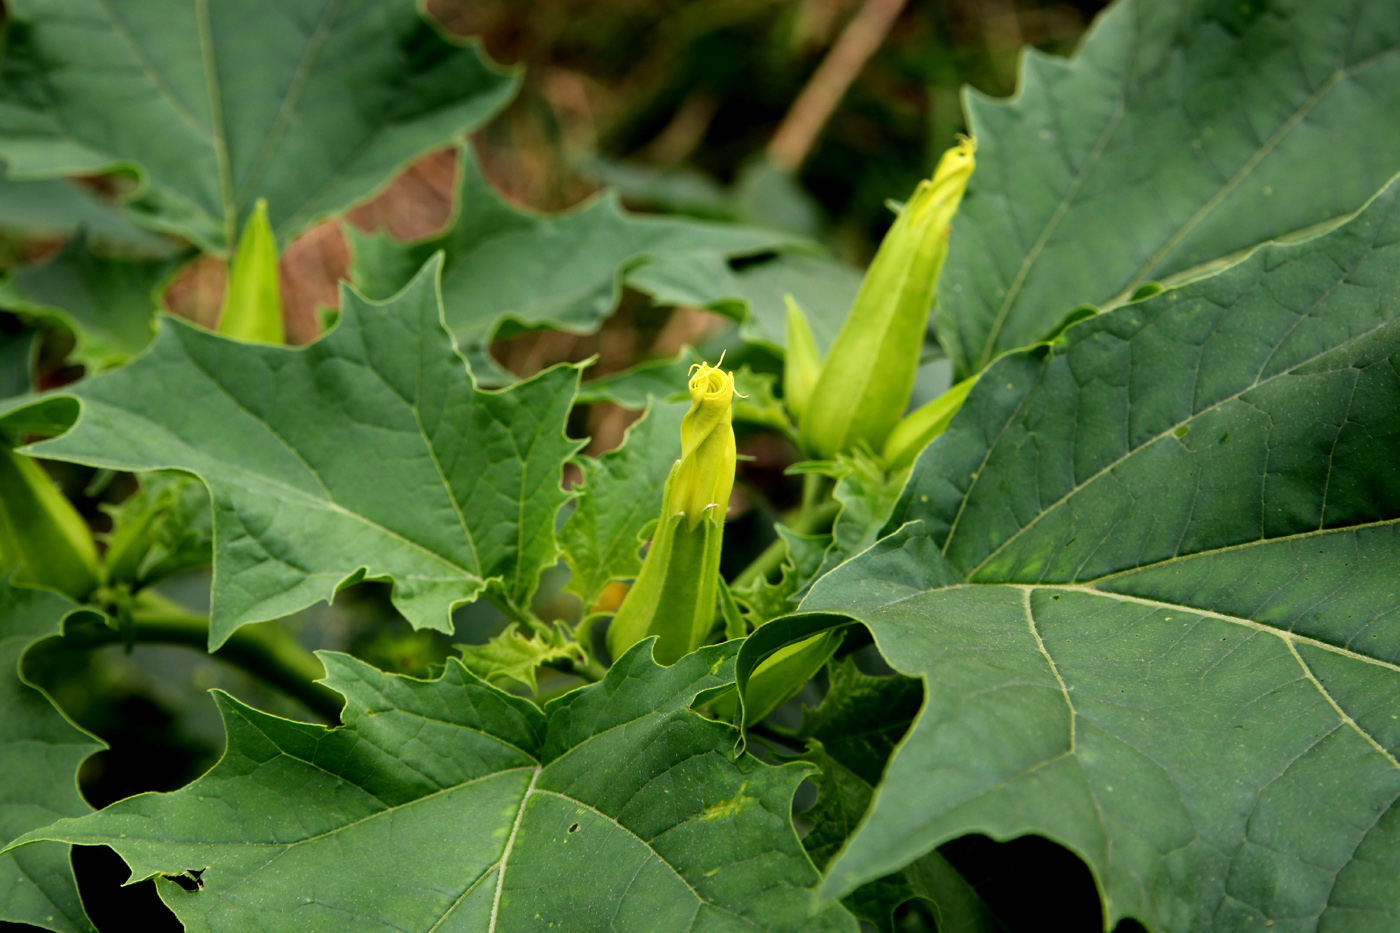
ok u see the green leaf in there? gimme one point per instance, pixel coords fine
(621, 496)
(311, 104)
(108, 303)
(41, 750)
(867, 495)
(564, 271)
(1148, 577)
(756, 403)
(367, 454)
(1179, 136)
(514, 656)
(450, 805)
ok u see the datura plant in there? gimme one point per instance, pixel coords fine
(1074, 596)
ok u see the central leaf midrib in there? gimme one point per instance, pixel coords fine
(290, 100)
(428, 444)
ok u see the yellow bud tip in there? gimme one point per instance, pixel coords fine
(710, 383)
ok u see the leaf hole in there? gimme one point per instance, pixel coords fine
(191, 879)
(573, 828)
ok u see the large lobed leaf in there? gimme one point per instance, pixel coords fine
(1181, 134)
(1149, 577)
(368, 453)
(311, 104)
(40, 750)
(449, 805)
(567, 270)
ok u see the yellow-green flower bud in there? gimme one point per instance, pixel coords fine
(673, 597)
(866, 380)
(253, 299)
(802, 364)
(704, 476)
(41, 531)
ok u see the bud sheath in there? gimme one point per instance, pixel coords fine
(868, 375)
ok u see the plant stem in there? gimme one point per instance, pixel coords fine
(267, 652)
(807, 521)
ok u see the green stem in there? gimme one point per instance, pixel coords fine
(810, 519)
(263, 650)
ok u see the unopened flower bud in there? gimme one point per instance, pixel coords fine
(673, 597)
(868, 375)
(253, 300)
(704, 476)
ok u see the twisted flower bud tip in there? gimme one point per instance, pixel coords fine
(711, 382)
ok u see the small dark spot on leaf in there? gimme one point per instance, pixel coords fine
(1224, 438)
(573, 828)
(191, 879)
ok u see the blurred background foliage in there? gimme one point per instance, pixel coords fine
(692, 107)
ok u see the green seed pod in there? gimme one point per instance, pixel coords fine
(253, 301)
(673, 597)
(865, 383)
(802, 363)
(916, 429)
(41, 531)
